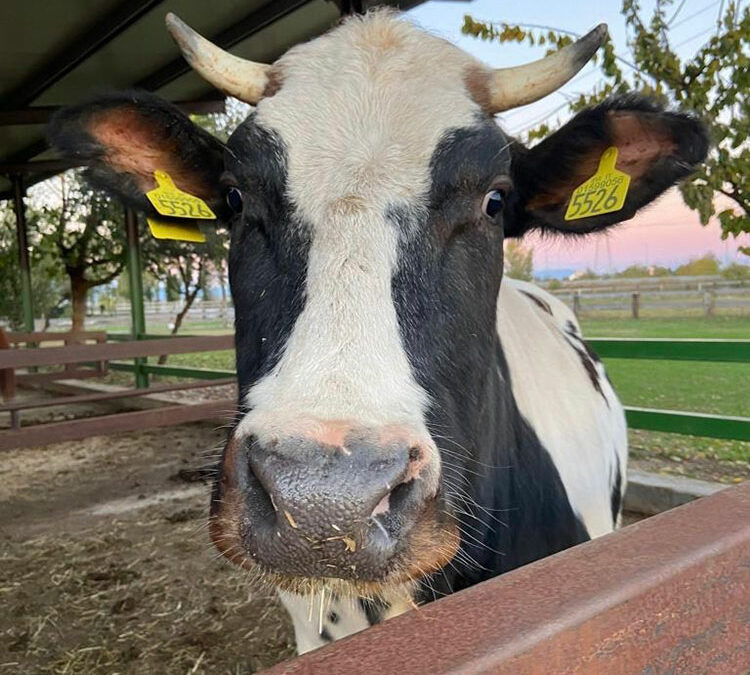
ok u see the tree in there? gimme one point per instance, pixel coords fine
(185, 266)
(519, 261)
(86, 230)
(736, 272)
(713, 81)
(47, 280)
(640, 271)
(706, 265)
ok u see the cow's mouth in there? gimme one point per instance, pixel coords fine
(431, 544)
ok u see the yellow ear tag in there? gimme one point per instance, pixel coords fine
(604, 192)
(161, 229)
(169, 200)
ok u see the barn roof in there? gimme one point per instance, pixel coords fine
(58, 53)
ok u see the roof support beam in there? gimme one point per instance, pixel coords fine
(41, 114)
(40, 166)
(23, 254)
(88, 42)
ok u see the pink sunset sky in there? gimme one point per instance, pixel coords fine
(665, 233)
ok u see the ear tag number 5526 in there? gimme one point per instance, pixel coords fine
(169, 200)
(604, 192)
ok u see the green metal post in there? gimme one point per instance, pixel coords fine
(23, 254)
(138, 316)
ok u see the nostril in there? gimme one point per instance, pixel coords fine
(259, 501)
(399, 496)
(392, 501)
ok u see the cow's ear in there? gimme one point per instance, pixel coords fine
(655, 149)
(124, 137)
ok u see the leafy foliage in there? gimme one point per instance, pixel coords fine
(48, 288)
(703, 266)
(85, 229)
(713, 82)
(519, 260)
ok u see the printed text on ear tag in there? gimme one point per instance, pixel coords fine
(604, 192)
(169, 200)
(161, 229)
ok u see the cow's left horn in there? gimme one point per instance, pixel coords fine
(245, 80)
(512, 87)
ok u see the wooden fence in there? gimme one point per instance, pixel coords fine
(101, 354)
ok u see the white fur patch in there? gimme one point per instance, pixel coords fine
(311, 615)
(586, 437)
(361, 111)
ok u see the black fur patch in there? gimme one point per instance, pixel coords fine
(616, 494)
(326, 636)
(539, 302)
(374, 609)
(588, 358)
(448, 279)
(268, 253)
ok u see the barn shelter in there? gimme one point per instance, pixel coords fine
(58, 54)
(54, 54)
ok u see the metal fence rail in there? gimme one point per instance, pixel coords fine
(674, 421)
(26, 435)
(668, 594)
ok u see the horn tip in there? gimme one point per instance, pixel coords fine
(599, 34)
(172, 20)
(182, 34)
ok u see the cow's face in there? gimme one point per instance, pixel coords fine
(368, 196)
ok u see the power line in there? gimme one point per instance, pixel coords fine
(539, 120)
(677, 11)
(691, 38)
(698, 13)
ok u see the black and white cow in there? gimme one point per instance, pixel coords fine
(409, 422)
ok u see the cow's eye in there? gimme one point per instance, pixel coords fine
(233, 198)
(493, 203)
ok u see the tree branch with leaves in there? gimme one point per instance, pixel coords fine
(713, 82)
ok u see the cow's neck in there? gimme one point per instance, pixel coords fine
(514, 504)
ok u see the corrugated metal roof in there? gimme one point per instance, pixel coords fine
(57, 53)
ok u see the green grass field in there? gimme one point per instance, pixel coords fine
(719, 388)
(727, 327)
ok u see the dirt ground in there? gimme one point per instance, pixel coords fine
(106, 567)
(99, 575)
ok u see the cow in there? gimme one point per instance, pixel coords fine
(409, 422)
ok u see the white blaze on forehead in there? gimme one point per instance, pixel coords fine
(360, 111)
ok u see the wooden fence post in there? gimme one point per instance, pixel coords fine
(577, 303)
(636, 305)
(709, 302)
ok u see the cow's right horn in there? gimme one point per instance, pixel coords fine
(245, 80)
(512, 87)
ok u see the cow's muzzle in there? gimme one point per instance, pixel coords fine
(349, 510)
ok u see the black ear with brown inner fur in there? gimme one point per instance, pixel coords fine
(655, 148)
(124, 137)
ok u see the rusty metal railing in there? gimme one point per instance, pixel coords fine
(667, 595)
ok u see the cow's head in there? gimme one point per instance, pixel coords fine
(368, 195)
